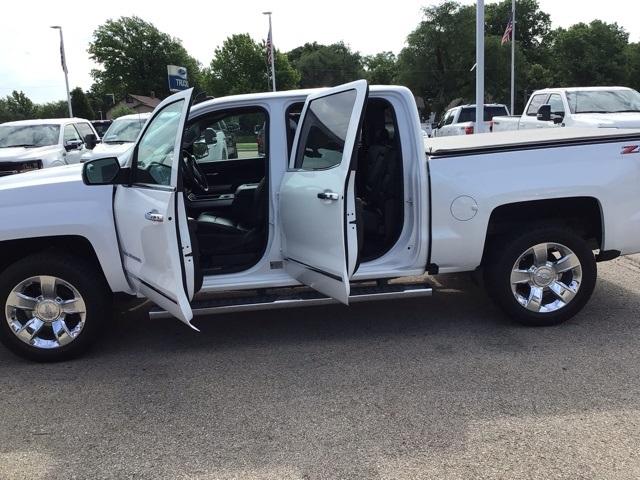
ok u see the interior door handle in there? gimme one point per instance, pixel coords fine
(328, 196)
(154, 216)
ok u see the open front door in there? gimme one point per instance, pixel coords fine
(150, 216)
(317, 194)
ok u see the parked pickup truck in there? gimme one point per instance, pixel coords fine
(583, 107)
(462, 120)
(34, 144)
(347, 197)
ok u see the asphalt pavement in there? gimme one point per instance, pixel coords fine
(437, 388)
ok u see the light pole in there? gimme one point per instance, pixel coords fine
(63, 61)
(480, 67)
(270, 53)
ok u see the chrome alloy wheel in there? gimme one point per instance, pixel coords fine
(546, 277)
(45, 312)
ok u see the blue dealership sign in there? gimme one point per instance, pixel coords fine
(177, 78)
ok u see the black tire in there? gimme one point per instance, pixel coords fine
(87, 280)
(501, 257)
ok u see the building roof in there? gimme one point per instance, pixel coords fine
(151, 102)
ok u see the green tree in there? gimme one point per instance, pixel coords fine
(16, 106)
(381, 68)
(326, 65)
(632, 53)
(80, 104)
(121, 110)
(134, 54)
(532, 24)
(440, 52)
(59, 109)
(590, 54)
(240, 66)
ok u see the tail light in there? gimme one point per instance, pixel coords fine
(468, 130)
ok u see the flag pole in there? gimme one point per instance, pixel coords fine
(273, 60)
(479, 127)
(513, 56)
(63, 60)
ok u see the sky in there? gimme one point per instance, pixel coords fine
(30, 61)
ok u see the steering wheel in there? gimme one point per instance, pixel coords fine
(194, 175)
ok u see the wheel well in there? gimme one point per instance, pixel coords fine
(582, 215)
(14, 250)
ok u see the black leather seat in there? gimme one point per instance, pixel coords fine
(220, 235)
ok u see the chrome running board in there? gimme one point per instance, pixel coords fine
(300, 297)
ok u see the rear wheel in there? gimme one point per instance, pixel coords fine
(53, 306)
(542, 277)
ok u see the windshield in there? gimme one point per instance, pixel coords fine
(28, 135)
(124, 130)
(604, 101)
(468, 114)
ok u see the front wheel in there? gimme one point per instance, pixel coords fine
(542, 277)
(53, 306)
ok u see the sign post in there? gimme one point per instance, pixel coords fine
(177, 77)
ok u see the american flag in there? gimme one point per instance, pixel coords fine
(63, 60)
(269, 47)
(508, 32)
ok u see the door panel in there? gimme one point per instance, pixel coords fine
(150, 217)
(317, 196)
(226, 175)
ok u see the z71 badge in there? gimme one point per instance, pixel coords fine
(630, 149)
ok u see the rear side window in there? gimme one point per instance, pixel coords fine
(292, 117)
(70, 133)
(324, 131)
(536, 102)
(557, 107)
(468, 114)
(84, 129)
(448, 119)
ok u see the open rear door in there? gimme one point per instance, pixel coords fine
(150, 215)
(317, 195)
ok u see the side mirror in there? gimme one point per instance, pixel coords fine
(90, 140)
(557, 118)
(544, 113)
(104, 171)
(72, 144)
(200, 150)
(210, 136)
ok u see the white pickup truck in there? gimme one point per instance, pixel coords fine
(344, 198)
(581, 107)
(34, 144)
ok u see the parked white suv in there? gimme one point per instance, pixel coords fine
(119, 137)
(462, 120)
(33, 144)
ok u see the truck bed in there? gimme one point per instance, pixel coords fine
(524, 139)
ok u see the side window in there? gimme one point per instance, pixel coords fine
(536, 102)
(324, 131)
(448, 119)
(557, 107)
(155, 151)
(229, 135)
(70, 133)
(84, 129)
(292, 117)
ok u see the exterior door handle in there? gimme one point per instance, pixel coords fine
(154, 216)
(328, 195)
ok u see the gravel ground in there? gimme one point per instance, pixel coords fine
(441, 388)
